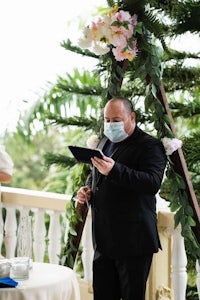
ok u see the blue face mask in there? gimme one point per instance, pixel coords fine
(114, 131)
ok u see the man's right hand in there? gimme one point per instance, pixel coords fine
(84, 194)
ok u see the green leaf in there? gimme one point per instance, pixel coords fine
(72, 231)
(138, 28)
(154, 90)
(178, 217)
(119, 71)
(174, 206)
(70, 261)
(189, 210)
(191, 222)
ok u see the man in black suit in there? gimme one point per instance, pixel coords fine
(121, 189)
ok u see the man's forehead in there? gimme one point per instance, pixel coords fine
(113, 113)
(114, 106)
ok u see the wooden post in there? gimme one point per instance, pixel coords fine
(180, 167)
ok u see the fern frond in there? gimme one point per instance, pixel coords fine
(73, 121)
(153, 25)
(191, 148)
(58, 159)
(187, 17)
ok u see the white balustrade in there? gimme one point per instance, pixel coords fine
(42, 205)
(39, 233)
(10, 228)
(179, 262)
(54, 236)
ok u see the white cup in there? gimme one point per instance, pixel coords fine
(19, 269)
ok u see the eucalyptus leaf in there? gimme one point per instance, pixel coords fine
(154, 90)
(178, 217)
(72, 231)
(191, 221)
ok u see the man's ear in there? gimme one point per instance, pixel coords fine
(133, 116)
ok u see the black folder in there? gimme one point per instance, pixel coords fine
(83, 154)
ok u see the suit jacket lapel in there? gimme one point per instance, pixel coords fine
(95, 174)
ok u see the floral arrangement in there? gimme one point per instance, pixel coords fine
(115, 31)
(171, 145)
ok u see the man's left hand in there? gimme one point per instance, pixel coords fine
(103, 165)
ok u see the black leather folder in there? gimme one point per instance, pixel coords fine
(83, 154)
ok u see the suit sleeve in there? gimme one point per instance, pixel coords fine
(148, 175)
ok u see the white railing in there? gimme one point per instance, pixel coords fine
(41, 205)
(168, 276)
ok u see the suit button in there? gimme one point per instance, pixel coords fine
(97, 188)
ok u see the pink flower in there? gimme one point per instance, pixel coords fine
(134, 20)
(121, 16)
(118, 54)
(118, 40)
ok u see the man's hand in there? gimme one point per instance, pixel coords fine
(84, 194)
(103, 165)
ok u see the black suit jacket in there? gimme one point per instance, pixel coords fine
(123, 203)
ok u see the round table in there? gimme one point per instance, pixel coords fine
(46, 282)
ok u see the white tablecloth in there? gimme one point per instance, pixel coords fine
(46, 282)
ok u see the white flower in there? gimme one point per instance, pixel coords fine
(100, 49)
(92, 142)
(84, 43)
(171, 145)
(86, 40)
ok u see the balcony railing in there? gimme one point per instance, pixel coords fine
(168, 275)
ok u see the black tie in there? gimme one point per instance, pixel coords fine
(109, 148)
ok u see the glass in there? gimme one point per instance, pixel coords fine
(24, 238)
(19, 269)
(4, 268)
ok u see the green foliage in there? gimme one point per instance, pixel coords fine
(191, 148)
(30, 170)
(59, 159)
(153, 25)
(187, 17)
(179, 202)
(180, 205)
(189, 109)
(88, 123)
(59, 101)
(74, 217)
(192, 293)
